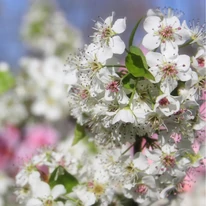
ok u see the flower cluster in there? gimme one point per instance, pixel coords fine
(146, 114)
(47, 32)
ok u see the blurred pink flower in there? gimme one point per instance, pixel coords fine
(35, 137)
(9, 140)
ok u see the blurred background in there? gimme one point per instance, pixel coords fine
(80, 13)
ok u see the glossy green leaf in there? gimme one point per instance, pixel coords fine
(138, 52)
(61, 176)
(6, 81)
(128, 81)
(136, 63)
(79, 134)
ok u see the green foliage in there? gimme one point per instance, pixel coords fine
(136, 63)
(6, 81)
(79, 134)
(61, 176)
(128, 81)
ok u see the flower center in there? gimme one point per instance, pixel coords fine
(141, 189)
(113, 86)
(164, 101)
(48, 203)
(107, 33)
(169, 161)
(97, 188)
(130, 168)
(169, 71)
(95, 66)
(84, 94)
(201, 62)
(166, 33)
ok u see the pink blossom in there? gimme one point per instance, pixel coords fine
(9, 140)
(36, 136)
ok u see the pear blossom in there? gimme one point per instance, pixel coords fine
(168, 70)
(166, 33)
(167, 104)
(43, 195)
(195, 31)
(145, 190)
(199, 60)
(113, 88)
(106, 34)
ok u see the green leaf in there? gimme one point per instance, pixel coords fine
(131, 38)
(138, 52)
(128, 81)
(6, 81)
(148, 75)
(79, 134)
(136, 63)
(61, 176)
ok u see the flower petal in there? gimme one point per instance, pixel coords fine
(124, 115)
(41, 190)
(117, 45)
(169, 49)
(151, 41)
(183, 62)
(57, 191)
(171, 21)
(154, 58)
(119, 26)
(109, 20)
(34, 202)
(151, 24)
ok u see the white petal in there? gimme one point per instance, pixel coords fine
(181, 36)
(103, 54)
(150, 41)
(34, 202)
(124, 115)
(119, 26)
(149, 180)
(42, 190)
(117, 45)
(151, 24)
(140, 161)
(154, 58)
(172, 21)
(183, 62)
(109, 19)
(169, 49)
(185, 76)
(156, 73)
(122, 97)
(57, 191)
(168, 85)
(109, 96)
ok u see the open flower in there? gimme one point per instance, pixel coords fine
(168, 70)
(167, 104)
(106, 35)
(166, 33)
(43, 195)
